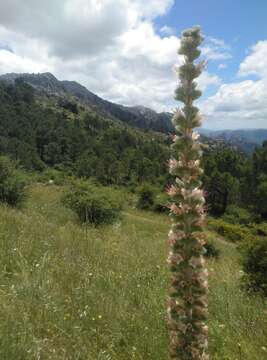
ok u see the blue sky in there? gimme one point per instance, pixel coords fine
(240, 23)
(126, 51)
(227, 19)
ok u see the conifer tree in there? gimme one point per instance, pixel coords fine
(187, 303)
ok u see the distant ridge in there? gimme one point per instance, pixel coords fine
(137, 116)
(244, 139)
(141, 117)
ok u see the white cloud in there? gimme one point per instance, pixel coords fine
(220, 43)
(213, 53)
(70, 27)
(142, 41)
(10, 62)
(78, 27)
(222, 66)
(22, 54)
(256, 62)
(110, 46)
(151, 8)
(167, 30)
(241, 104)
(205, 80)
(216, 49)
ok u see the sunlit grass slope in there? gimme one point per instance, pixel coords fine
(74, 292)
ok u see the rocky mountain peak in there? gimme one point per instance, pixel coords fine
(138, 116)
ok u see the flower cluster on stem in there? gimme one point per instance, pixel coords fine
(187, 301)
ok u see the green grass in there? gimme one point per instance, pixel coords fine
(74, 292)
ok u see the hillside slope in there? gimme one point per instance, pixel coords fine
(70, 292)
(135, 116)
(61, 133)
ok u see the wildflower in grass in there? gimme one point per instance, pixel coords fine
(187, 303)
(83, 314)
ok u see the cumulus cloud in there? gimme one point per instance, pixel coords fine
(71, 27)
(167, 30)
(151, 8)
(205, 80)
(78, 27)
(110, 46)
(216, 49)
(256, 62)
(241, 104)
(10, 62)
(21, 54)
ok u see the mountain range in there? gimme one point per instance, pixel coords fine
(243, 139)
(141, 117)
(137, 116)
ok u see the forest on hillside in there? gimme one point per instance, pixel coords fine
(59, 133)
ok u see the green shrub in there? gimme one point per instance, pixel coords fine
(93, 204)
(254, 262)
(146, 197)
(211, 250)
(161, 203)
(261, 199)
(230, 232)
(260, 229)
(52, 175)
(12, 183)
(237, 215)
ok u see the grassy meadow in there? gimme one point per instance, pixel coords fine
(69, 291)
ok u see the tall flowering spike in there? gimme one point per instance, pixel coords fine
(187, 302)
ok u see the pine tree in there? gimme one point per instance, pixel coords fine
(187, 302)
